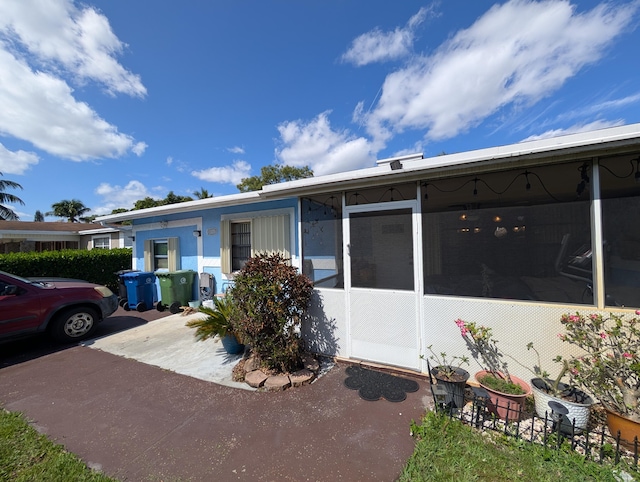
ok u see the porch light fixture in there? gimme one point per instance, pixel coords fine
(197, 233)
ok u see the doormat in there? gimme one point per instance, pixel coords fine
(373, 385)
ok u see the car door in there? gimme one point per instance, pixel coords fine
(19, 312)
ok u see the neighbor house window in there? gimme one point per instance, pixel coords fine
(55, 245)
(102, 243)
(161, 254)
(240, 239)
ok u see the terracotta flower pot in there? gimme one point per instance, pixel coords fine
(576, 401)
(507, 406)
(629, 429)
(454, 386)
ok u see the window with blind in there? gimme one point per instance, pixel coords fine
(161, 254)
(240, 239)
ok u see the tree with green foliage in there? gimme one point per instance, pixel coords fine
(38, 217)
(202, 194)
(7, 214)
(273, 174)
(72, 210)
(149, 202)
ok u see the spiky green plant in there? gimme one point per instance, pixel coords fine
(219, 319)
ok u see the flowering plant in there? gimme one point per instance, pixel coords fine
(610, 369)
(485, 350)
(448, 368)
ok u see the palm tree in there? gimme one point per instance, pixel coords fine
(38, 217)
(70, 209)
(7, 214)
(202, 194)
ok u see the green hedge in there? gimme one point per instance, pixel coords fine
(96, 265)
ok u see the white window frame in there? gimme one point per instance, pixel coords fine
(94, 239)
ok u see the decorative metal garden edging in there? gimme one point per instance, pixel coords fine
(554, 430)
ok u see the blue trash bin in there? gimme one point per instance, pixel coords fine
(141, 290)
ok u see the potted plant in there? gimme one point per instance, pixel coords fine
(449, 373)
(609, 369)
(545, 390)
(507, 393)
(219, 321)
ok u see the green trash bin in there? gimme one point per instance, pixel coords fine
(176, 289)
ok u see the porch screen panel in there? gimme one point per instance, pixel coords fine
(621, 230)
(322, 251)
(225, 246)
(381, 249)
(521, 234)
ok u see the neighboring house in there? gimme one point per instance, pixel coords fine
(511, 237)
(24, 236)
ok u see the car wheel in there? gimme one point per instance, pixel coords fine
(74, 324)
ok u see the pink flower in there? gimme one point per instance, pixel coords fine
(463, 328)
(574, 319)
(603, 335)
(637, 312)
(562, 336)
(573, 371)
(627, 355)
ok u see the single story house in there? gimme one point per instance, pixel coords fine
(25, 236)
(511, 237)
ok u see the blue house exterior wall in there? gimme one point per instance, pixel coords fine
(202, 254)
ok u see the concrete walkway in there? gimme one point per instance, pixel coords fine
(140, 422)
(168, 343)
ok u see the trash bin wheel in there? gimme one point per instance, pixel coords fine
(142, 306)
(123, 302)
(126, 307)
(160, 307)
(175, 307)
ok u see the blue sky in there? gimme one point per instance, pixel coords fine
(110, 101)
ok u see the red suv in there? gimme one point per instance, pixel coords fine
(68, 310)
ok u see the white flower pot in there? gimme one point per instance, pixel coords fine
(579, 408)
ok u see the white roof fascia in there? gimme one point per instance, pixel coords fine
(98, 231)
(411, 164)
(585, 141)
(189, 206)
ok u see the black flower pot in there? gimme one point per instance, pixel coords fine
(454, 385)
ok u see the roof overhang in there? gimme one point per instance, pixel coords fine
(614, 140)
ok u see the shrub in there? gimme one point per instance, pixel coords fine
(96, 265)
(270, 298)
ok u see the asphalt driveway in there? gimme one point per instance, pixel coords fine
(137, 421)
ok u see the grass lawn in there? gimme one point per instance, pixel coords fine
(448, 450)
(26, 455)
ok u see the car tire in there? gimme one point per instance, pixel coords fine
(74, 324)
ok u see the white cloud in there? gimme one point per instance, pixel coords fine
(139, 148)
(516, 53)
(115, 197)
(81, 41)
(575, 129)
(17, 162)
(236, 150)
(379, 46)
(43, 45)
(169, 160)
(325, 151)
(225, 175)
